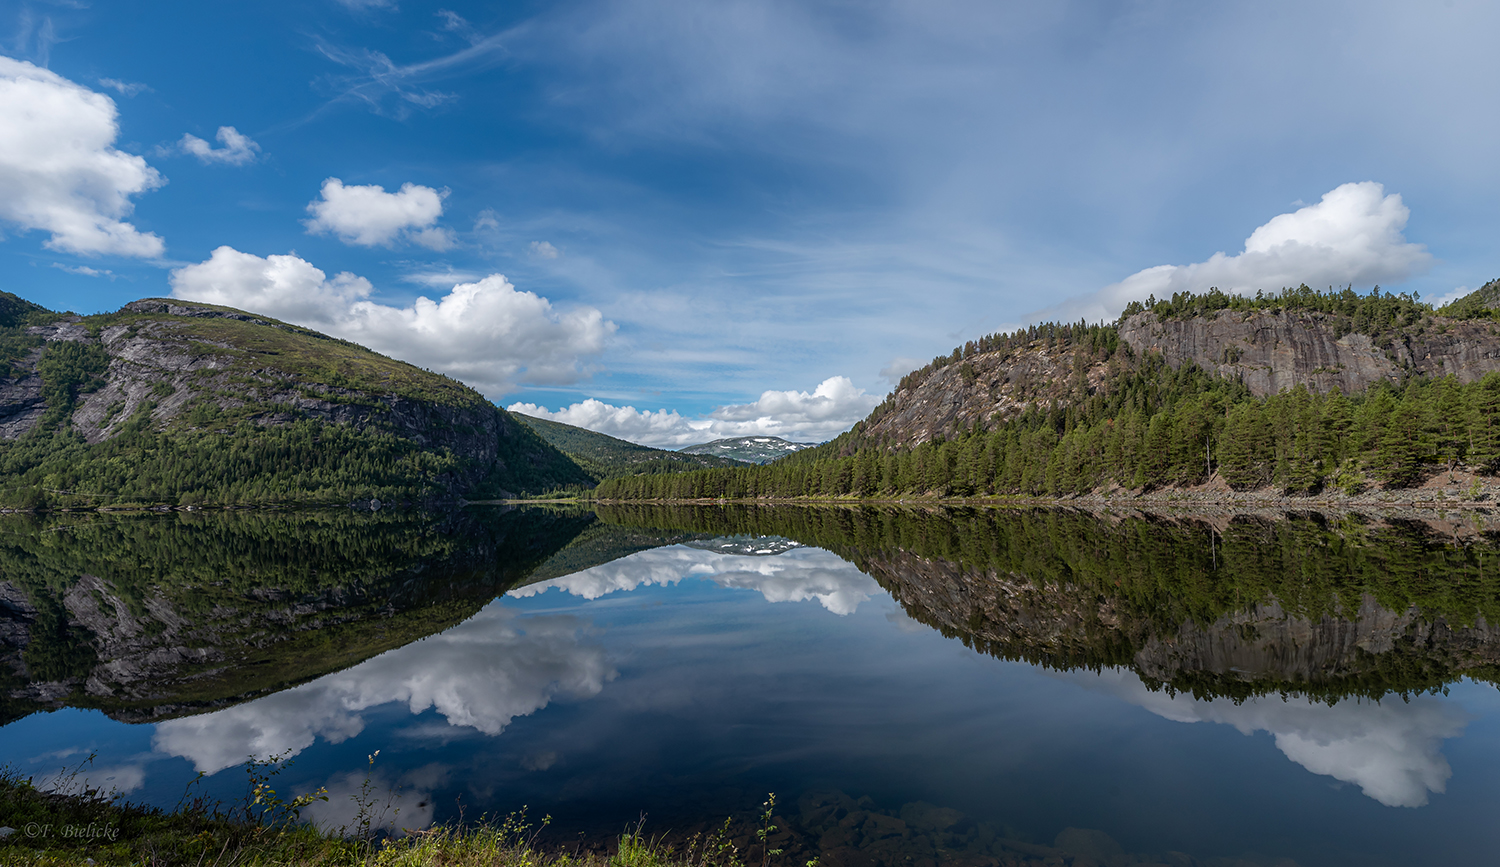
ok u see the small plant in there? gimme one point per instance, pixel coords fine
(763, 833)
(272, 810)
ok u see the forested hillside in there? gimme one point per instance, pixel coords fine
(603, 456)
(1118, 417)
(174, 403)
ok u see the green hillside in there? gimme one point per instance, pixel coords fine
(168, 402)
(603, 456)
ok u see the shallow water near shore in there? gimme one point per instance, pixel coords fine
(968, 688)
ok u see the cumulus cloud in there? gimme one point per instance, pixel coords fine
(544, 250)
(481, 674)
(369, 216)
(793, 576)
(237, 148)
(1391, 750)
(1353, 235)
(485, 333)
(59, 171)
(825, 412)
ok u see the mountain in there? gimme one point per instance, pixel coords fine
(168, 402)
(1299, 392)
(752, 450)
(1321, 342)
(603, 456)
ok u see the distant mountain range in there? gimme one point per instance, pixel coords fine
(752, 450)
(603, 456)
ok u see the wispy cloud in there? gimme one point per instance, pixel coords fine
(236, 148)
(387, 87)
(125, 88)
(84, 270)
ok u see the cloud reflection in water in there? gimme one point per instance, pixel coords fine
(793, 576)
(1391, 750)
(482, 673)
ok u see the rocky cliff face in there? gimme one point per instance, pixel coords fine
(985, 389)
(1270, 351)
(1010, 615)
(1276, 351)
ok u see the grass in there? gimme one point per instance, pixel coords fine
(69, 824)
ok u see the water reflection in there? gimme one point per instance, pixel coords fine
(480, 674)
(1392, 749)
(1033, 670)
(791, 574)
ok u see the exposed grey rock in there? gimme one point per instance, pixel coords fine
(1273, 351)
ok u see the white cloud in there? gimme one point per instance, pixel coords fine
(58, 170)
(485, 333)
(1353, 235)
(829, 410)
(481, 674)
(1391, 750)
(125, 88)
(369, 216)
(544, 250)
(797, 575)
(237, 149)
(441, 279)
(84, 270)
(661, 428)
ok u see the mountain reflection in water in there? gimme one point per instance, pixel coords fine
(652, 680)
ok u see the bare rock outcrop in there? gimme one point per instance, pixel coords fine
(1273, 351)
(1270, 351)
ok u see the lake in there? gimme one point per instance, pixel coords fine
(917, 686)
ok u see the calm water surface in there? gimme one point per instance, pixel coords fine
(970, 687)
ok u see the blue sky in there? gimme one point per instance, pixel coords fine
(732, 217)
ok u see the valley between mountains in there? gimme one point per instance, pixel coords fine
(1331, 396)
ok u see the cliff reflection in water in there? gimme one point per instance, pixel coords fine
(150, 617)
(1228, 606)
